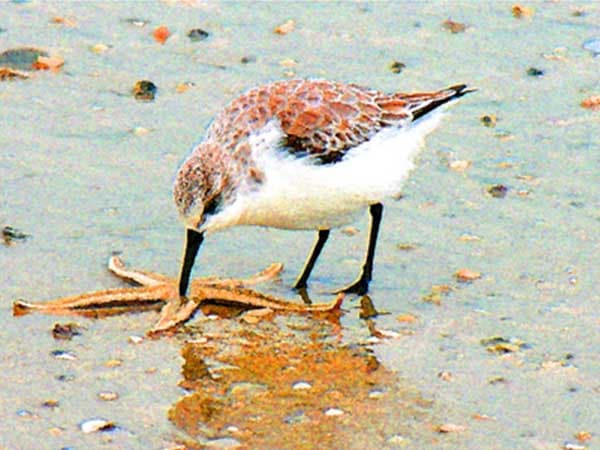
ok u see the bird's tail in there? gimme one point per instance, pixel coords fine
(421, 104)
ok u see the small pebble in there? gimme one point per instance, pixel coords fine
(592, 45)
(53, 63)
(501, 345)
(504, 136)
(583, 436)
(488, 120)
(63, 354)
(113, 363)
(65, 331)
(406, 318)
(56, 431)
(497, 190)
(7, 73)
(397, 440)
(66, 21)
(498, 380)
(535, 72)
(450, 428)
(389, 334)
(285, 28)
(225, 442)
(65, 377)
(50, 404)
(573, 446)
(469, 238)
(296, 417)
(592, 103)
(459, 166)
(248, 59)
(95, 425)
(454, 27)
(301, 385)
(350, 231)
(407, 246)
(140, 131)
(397, 66)
(137, 22)
(332, 412)
(288, 63)
(446, 376)
(197, 34)
(10, 234)
(183, 87)
(21, 58)
(505, 165)
(520, 11)
(144, 90)
(26, 414)
(376, 394)
(482, 417)
(99, 48)
(467, 275)
(108, 396)
(135, 339)
(161, 34)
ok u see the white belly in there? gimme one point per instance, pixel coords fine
(297, 194)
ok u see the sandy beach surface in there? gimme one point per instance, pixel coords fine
(507, 192)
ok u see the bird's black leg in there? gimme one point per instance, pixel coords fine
(312, 259)
(193, 240)
(361, 285)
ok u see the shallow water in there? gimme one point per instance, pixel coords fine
(76, 179)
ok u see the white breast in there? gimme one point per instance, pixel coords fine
(298, 194)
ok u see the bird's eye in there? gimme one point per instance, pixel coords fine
(213, 205)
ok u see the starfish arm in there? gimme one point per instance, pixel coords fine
(144, 278)
(174, 313)
(178, 311)
(119, 297)
(252, 298)
(268, 274)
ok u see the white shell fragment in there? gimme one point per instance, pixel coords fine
(95, 425)
(332, 412)
(135, 339)
(62, 354)
(300, 385)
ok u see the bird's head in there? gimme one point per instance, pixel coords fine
(197, 192)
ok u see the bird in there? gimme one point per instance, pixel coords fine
(304, 154)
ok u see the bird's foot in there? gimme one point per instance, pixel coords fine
(359, 287)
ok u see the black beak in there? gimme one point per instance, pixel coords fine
(193, 240)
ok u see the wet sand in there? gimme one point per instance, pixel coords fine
(86, 170)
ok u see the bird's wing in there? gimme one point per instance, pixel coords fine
(322, 119)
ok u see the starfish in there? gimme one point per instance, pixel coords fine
(159, 292)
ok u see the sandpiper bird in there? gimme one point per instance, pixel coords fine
(304, 155)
